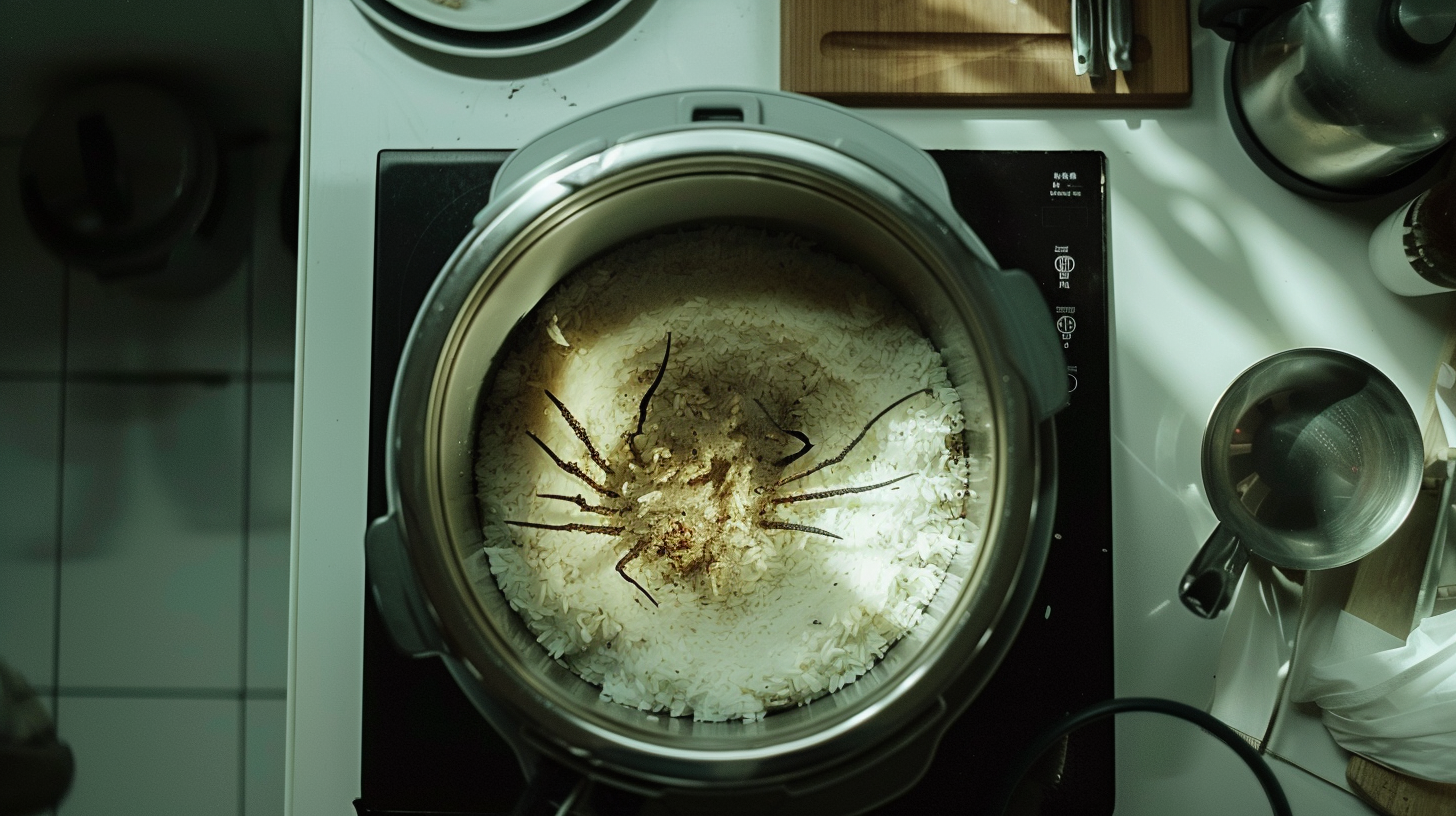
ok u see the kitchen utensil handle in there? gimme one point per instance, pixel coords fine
(1208, 585)
(1098, 42)
(720, 106)
(1082, 27)
(1237, 20)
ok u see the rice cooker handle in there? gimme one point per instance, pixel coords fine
(1036, 347)
(719, 106)
(401, 603)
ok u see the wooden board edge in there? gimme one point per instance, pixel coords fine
(1392, 792)
(1021, 101)
(786, 36)
(790, 32)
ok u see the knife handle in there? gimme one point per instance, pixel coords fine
(1083, 26)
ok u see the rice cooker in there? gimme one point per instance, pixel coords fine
(665, 162)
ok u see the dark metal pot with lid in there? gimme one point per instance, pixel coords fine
(126, 181)
(661, 163)
(1340, 99)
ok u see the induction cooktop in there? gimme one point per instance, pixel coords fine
(426, 750)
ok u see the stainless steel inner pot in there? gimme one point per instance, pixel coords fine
(561, 217)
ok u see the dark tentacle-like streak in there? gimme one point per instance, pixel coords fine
(829, 494)
(847, 448)
(580, 432)
(583, 504)
(573, 469)
(570, 528)
(646, 398)
(799, 435)
(800, 528)
(622, 569)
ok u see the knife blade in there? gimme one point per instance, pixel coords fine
(1119, 35)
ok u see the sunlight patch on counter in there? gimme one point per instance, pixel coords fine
(1176, 340)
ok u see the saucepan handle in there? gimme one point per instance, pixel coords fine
(1237, 20)
(1208, 585)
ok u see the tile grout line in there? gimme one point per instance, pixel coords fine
(249, 315)
(170, 693)
(60, 500)
(215, 379)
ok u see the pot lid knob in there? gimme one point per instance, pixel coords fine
(1428, 23)
(113, 176)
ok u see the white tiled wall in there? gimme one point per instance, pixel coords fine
(145, 469)
(30, 419)
(263, 754)
(269, 507)
(152, 537)
(115, 329)
(158, 757)
(31, 280)
(241, 57)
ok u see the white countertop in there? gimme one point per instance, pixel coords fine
(1213, 267)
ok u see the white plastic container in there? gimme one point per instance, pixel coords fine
(1406, 248)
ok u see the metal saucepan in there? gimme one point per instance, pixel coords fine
(663, 163)
(1312, 459)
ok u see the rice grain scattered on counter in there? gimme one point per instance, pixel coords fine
(768, 336)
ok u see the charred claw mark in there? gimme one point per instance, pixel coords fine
(829, 494)
(847, 448)
(570, 528)
(802, 437)
(646, 398)
(580, 432)
(798, 528)
(582, 503)
(573, 469)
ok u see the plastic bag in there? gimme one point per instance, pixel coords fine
(1390, 701)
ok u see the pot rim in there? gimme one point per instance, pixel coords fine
(519, 709)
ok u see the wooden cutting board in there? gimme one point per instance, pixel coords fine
(974, 53)
(1384, 594)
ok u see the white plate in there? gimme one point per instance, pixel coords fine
(399, 17)
(489, 15)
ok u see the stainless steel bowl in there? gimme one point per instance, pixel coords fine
(1311, 460)
(991, 326)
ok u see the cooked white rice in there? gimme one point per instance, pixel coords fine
(750, 619)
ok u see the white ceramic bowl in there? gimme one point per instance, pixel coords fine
(490, 28)
(489, 15)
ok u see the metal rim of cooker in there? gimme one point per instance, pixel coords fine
(526, 696)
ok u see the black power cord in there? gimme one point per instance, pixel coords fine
(1107, 708)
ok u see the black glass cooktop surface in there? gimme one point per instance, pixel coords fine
(427, 751)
